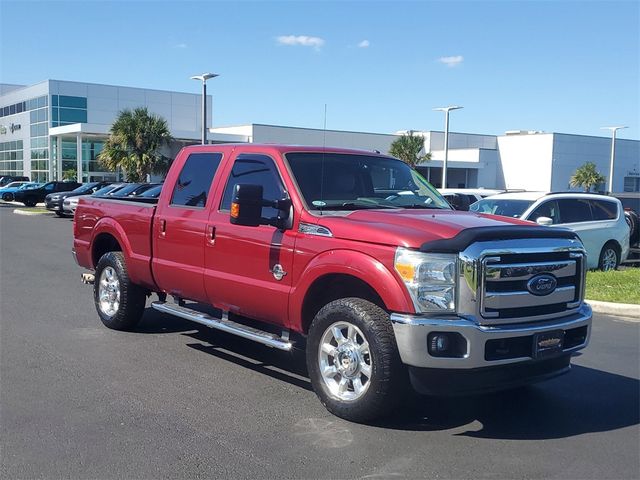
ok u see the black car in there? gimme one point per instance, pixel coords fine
(7, 179)
(54, 201)
(36, 195)
(132, 190)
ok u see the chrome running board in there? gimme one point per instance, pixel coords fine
(224, 324)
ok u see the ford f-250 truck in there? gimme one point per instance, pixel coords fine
(349, 254)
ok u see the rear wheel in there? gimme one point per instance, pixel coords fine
(120, 303)
(609, 257)
(353, 360)
(7, 197)
(30, 202)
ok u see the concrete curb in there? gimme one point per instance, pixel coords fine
(629, 311)
(17, 211)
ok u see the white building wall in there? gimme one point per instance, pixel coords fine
(319, 137)
(526, 161)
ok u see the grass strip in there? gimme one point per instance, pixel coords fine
(618, 286)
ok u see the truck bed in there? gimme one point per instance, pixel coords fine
(96, 216)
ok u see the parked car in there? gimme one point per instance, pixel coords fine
(598, 220)
(7, 179)
(9, 195)
(70, 204)
(349, 254)
(54, 201)
(631, 203)
(10, 188)
(132, 189)
(33, 196)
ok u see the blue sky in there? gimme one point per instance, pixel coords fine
(559, 66)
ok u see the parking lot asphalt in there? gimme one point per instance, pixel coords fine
(175, 400)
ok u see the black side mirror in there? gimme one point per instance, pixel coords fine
(246, 208)
(246, 205)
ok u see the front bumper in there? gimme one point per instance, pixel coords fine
(55, 205)
(483, 342)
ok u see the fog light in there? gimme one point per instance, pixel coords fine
(439, 343)
(446, 344)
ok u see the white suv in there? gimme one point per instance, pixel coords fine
(597, 219)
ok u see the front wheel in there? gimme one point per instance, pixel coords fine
(120, 303)
(29, 202)
(609, 257)
(353, 360)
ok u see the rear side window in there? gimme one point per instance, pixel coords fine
(573, 210)
(195, 179)
(255, 170)
(603, 210)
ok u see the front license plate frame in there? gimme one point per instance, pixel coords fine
(546, 344)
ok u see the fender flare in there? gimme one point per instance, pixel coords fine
(356, 264)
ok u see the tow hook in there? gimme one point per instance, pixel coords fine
(88, 278)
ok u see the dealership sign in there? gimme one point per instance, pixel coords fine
(12, 128)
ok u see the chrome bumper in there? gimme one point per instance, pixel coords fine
(411, 333)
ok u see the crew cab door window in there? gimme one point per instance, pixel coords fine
(194, 182)
(547, 209)
(573, 210)
(255, 169)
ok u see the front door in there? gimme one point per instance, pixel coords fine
(248, 269)
(180, 229)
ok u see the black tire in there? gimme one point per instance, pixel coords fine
(633, 220)
(388, 376)
(131, 297)
(60, 214)
(29, 202)
(606, 254)
(7, 197)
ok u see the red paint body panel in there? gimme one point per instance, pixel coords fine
(198, 254)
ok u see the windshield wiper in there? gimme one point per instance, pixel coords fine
(356, 206)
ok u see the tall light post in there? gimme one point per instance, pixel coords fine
(446, 111)
(613, 152)
(203, 78)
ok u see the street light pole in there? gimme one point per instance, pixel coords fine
(446, 111)
(204, 77)
(613, 152)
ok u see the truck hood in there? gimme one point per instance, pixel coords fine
(409, 228)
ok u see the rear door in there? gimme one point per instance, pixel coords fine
(248, 269)
(575, 213)
(180, 228)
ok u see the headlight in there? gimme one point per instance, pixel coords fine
(431, 279)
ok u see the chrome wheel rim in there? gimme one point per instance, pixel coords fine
(109, 292)
(345, 361)
(609, 259)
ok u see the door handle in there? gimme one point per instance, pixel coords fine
(211, 234)
(163, 227)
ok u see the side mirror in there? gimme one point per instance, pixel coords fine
(246, 205)
(246, 208)
(545, 221)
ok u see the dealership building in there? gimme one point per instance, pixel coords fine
(56, 129)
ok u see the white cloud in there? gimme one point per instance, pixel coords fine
(364, 44)
(301, 40)
(451, 61)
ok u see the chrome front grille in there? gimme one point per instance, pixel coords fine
(504, 292)
(494, 280)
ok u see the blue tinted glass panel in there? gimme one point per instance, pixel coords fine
(41, 102)
(54, 100)
(74, 102)
(34, 116)
(72, 115)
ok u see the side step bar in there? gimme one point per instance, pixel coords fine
(224, 324)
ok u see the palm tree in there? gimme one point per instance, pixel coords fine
(135, 143)
(408, 147)
(587, 176)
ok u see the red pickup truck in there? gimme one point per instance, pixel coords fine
(349, 254)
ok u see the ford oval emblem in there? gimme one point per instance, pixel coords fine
(542, 284)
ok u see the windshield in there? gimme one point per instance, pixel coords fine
(504, 207)
(337, 181)
(85, 188)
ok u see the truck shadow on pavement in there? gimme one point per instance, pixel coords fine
(585, 400)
